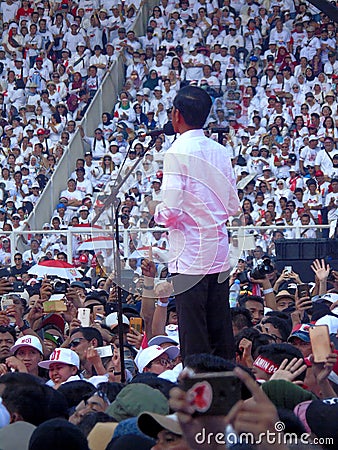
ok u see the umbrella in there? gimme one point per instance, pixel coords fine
(160, 254)
(56, 268)
(100, 242)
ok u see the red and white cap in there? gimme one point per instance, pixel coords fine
(145, 356)
(27, 341)
(62, 356)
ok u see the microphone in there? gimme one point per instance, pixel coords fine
(167, 129)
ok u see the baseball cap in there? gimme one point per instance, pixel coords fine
(283, 294)
(63, 356)
(112, 322)
(151, 424)
(301, 332)
(313, 138)
(27, 341)
(83, 258)
(162, 339)
(55, 320)
(40, 131)
(319, 173)
(331, 297)
(145, 356)
(83, 208)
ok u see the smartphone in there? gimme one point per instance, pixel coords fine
(287, 269)
(6, 302)
(54, 306)
(136, 323)
(320, 342)
(83, 314)
(105, 351)
(213, 393)
(303, 290)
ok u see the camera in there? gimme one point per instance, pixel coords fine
(292, 158)
(265, 267)
(59, 286)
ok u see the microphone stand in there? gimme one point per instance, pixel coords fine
(113, 201)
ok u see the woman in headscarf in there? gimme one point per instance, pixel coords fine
(152, 80)
(76, 85)
(282, 190)
(124, 111)
(107, 125)
(13, 42)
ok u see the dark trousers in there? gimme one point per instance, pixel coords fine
(202, 304)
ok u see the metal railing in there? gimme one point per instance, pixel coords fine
(247, 241)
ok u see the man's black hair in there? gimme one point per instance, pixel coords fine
(111, 390)
(253, 298)
(283, 326)
(10, 330)
(91, 419)
(89, 333)
(19, 378)
(241, 317)
(28, 403)
(152, 380)
(194, 104)
(252, 334)
(75, 391)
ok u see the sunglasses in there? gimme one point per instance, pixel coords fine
(76, 342)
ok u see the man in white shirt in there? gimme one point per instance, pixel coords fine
(199, 194)
(324, 157)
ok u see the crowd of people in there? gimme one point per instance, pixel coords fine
(270, 70)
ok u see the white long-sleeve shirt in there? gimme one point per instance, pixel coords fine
(199, 194)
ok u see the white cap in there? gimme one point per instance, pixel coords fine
(162, 339)
(111, 320)
(331, 297)
(27, 341)
(313, 138)
(145, 356)
(63, 356)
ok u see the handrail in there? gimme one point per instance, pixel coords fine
(14, 235)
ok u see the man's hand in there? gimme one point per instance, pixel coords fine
(4, 319)
(321, 270)
(75, 323)
(13, 362)
(35, 313)
(71, 312)
(13, 311)
(5, 286)
(255, 415)
(148, 268)
(73, 296)
(289, 370)
(321, 371)
(163, 290)
(245, 346)
(134, 338)
(46, 290)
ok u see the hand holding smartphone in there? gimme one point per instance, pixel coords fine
(83, 314)
(320, 343)
(213, 393)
